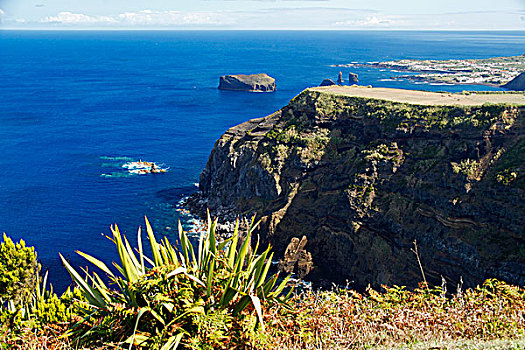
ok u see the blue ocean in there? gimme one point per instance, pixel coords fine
(77, 105)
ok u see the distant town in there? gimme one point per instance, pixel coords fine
(495, 71)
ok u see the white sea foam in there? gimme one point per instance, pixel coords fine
(116, 158)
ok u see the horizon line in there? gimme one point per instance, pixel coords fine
(265, 29)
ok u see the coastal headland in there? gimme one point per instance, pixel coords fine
(496, 71)
(363, 173)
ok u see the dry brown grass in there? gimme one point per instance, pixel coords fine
(400, 319)
(49, 337)
(491, 316)
(424, 98)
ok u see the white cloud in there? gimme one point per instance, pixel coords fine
(474, 20)
(375, 21)
(277, 18)
(372, 21)
(2, 13)
(77, 18)
(140, 18)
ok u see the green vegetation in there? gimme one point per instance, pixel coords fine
(211, 298)
(506, 176)
(395, 115)
(18, 272)
(508, 170)
(297, 138)
(25, 303)
(468, 167)
(221, 296)
(385, 153)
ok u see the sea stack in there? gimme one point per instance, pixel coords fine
(516, 84)
(327, 82)
(353, 78)
(340, 80)
(252, 83)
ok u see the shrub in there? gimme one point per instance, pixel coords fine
(216, 295)
(18, 272)
(26, 306)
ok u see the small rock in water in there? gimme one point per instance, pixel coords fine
(353, 78)
(340, 80)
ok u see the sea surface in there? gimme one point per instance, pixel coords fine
(76, 105)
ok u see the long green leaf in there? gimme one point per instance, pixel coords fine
(127, 264)
(239, 263)
(264, 273)
(118, 243)
(184, 246)
(210, 277)
(173, 342)
(101, 287)
(177, 271)
(154, 245)
(232, 250)
(141, 312)
(171, 252)
(258, 309)
(132, 257)
(268, 286)
(141, 251)
(279, 289)
(96, 262)
(193, 310)
(90, 293)
(241, 304)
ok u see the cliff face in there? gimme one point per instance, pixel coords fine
(363, 178)
(252, 83)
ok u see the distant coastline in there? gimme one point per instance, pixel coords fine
(495, 72)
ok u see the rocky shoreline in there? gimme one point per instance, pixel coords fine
(495, 72)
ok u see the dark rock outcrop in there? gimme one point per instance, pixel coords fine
(327, 82)
(353, 78)
(516, 84)
(251, 83)
(296, 259)
(340, 80)
(363, 178)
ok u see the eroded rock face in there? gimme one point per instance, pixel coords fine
(296, 259)
(251, 83)
(327, 82)
(516, 84)
(340, 80)
(353, 78)
(362, 179)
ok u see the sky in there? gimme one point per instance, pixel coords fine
(264, 14)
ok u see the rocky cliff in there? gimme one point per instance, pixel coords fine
(363, 176)
(251, 83)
